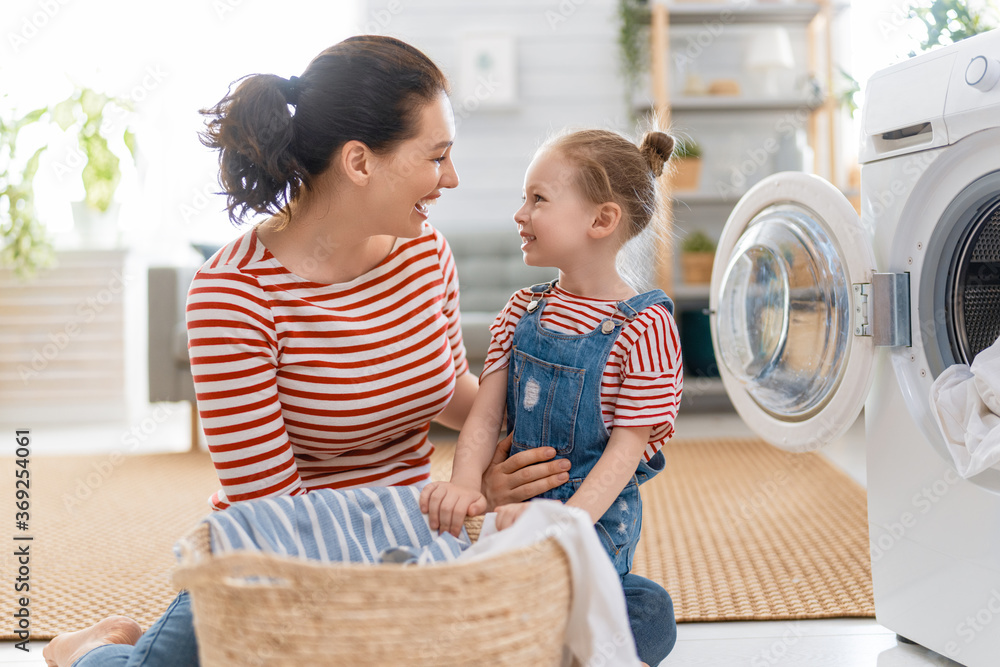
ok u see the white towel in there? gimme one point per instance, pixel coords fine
(598, 632)
(965, 402)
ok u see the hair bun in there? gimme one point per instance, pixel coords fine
(656, 147)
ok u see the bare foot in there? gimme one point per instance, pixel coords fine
(69, 647)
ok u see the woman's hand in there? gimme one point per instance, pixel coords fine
(447, 504)
(522, 476)
(508, 514)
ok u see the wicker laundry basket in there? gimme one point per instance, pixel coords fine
(259, 609)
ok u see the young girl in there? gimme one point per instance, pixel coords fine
(582, 364)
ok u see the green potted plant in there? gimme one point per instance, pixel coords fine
(633, 16)
(686, 159)
(24, 245)
(84, 111)
(950, 21)
(697, 256)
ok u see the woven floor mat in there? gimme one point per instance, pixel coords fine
(734, 529)
(737, 530)
(103, 531)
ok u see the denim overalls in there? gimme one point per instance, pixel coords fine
(554, 400)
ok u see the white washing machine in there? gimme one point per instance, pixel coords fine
(816, 313)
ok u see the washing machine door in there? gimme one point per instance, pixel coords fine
(782, 311)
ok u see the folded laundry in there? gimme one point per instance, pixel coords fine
(965, 402)
(333, 526)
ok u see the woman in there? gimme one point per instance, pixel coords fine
(325, 340)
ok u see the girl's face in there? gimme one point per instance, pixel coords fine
(554, 218)
(417, 171)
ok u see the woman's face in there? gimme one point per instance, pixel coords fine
(417, 171)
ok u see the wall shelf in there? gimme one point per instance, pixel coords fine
(733, 130)
(747, 12)
(743, 103)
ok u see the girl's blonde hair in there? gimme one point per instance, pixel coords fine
(611, 168)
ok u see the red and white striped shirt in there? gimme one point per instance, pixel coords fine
(304, 385)
(643, 378)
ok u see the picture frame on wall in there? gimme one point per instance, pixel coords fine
(487, 71)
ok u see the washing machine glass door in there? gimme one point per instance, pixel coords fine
(790, 259)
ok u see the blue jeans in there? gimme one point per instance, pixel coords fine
(170, 642)
(651, 615)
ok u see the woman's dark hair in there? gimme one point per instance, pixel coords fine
(368, 88)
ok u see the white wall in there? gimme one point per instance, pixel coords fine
(567, 73)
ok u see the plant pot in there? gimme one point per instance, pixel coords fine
(696, 267)
(96, 229)
(686, 175)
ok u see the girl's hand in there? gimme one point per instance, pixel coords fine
(447, 504)
(522, 476)
(508, 514)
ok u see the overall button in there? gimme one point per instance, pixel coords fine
(607, 326)
(532, 305)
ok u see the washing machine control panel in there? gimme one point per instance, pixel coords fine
(982, 72)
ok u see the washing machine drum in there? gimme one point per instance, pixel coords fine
(973, 291)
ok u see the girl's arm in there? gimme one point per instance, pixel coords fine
(448, 503)
(612, 471)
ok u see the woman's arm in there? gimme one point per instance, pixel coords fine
(610, 475)
(232, 345)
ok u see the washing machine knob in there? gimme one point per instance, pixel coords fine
(982, 73)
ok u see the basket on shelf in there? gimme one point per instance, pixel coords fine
(687, 174)
(696, 267)
(697, 257)
(252, 608)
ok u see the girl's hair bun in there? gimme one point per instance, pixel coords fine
(656, 147)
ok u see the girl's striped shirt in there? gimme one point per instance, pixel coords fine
(643, 378)
(303, 385)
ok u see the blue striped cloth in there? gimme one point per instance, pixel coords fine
(369, 525)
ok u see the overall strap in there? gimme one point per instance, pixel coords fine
(631, 308)
(538, 291)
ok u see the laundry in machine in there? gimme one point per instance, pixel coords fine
(817, 313)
